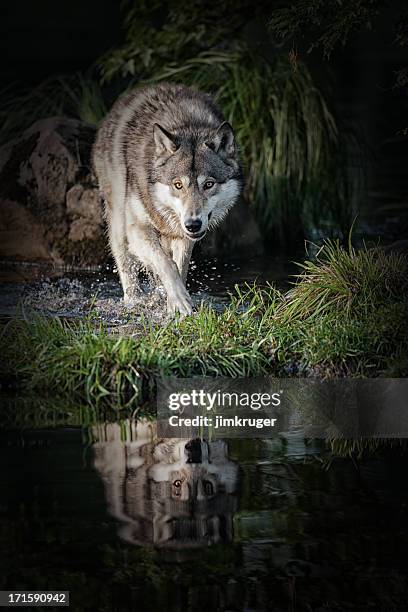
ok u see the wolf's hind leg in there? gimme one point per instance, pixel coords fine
(117, 241)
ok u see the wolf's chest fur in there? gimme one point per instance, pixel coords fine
(168, 168)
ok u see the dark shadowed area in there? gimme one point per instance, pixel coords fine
(92, 500)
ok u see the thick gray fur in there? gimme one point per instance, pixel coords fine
(168, 169)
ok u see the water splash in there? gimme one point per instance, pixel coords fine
(79, 293)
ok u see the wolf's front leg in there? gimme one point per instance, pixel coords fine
(181, 249)
(144, 243)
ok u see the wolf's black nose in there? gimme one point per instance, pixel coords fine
(193, 225)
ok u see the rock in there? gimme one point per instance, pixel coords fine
(84, 206)
(50, 209)
(20, 236)
(85, 202)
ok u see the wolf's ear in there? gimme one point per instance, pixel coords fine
(164, 141)
(223, 141)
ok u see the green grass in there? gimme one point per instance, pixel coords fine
(347, 280)
(294, 153)
(345, 316)
(359, 447)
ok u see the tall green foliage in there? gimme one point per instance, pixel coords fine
(160, 32)
(288, 136)
(294, 152)
(295, 155)
(76, 95)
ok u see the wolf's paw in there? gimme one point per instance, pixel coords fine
(132, 296)
(129, 302)
(179, 302)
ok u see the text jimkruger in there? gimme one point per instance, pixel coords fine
(220, 421)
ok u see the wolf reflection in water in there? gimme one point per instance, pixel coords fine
(168, 493)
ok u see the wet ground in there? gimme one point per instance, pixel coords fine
(264, 525)
(29, 287)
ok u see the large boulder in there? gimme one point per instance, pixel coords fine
(50, 209)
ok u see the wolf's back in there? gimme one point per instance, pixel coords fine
(126, 134)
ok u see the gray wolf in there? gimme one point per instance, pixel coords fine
(166, 492)
(168, 170)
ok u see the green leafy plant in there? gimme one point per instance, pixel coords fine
(158, 33)
(331, 22)
(296, 155)
(294, 158)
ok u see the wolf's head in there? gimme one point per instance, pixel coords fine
(170, 493)
(197, 176)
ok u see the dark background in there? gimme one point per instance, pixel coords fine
(45, 38)
(40, 39)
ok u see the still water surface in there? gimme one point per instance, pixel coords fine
(129, 522)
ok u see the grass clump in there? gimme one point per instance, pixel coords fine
(347, 280)
(294, 157)
(345, 316)
(288, 135)
(79, 96)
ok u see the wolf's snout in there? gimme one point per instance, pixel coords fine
(193, 225)
(193, 451)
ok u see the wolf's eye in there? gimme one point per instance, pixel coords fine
(178, 184)
(208, 184)
(177, 487)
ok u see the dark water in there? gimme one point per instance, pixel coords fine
(76, 293)
(127, 522)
